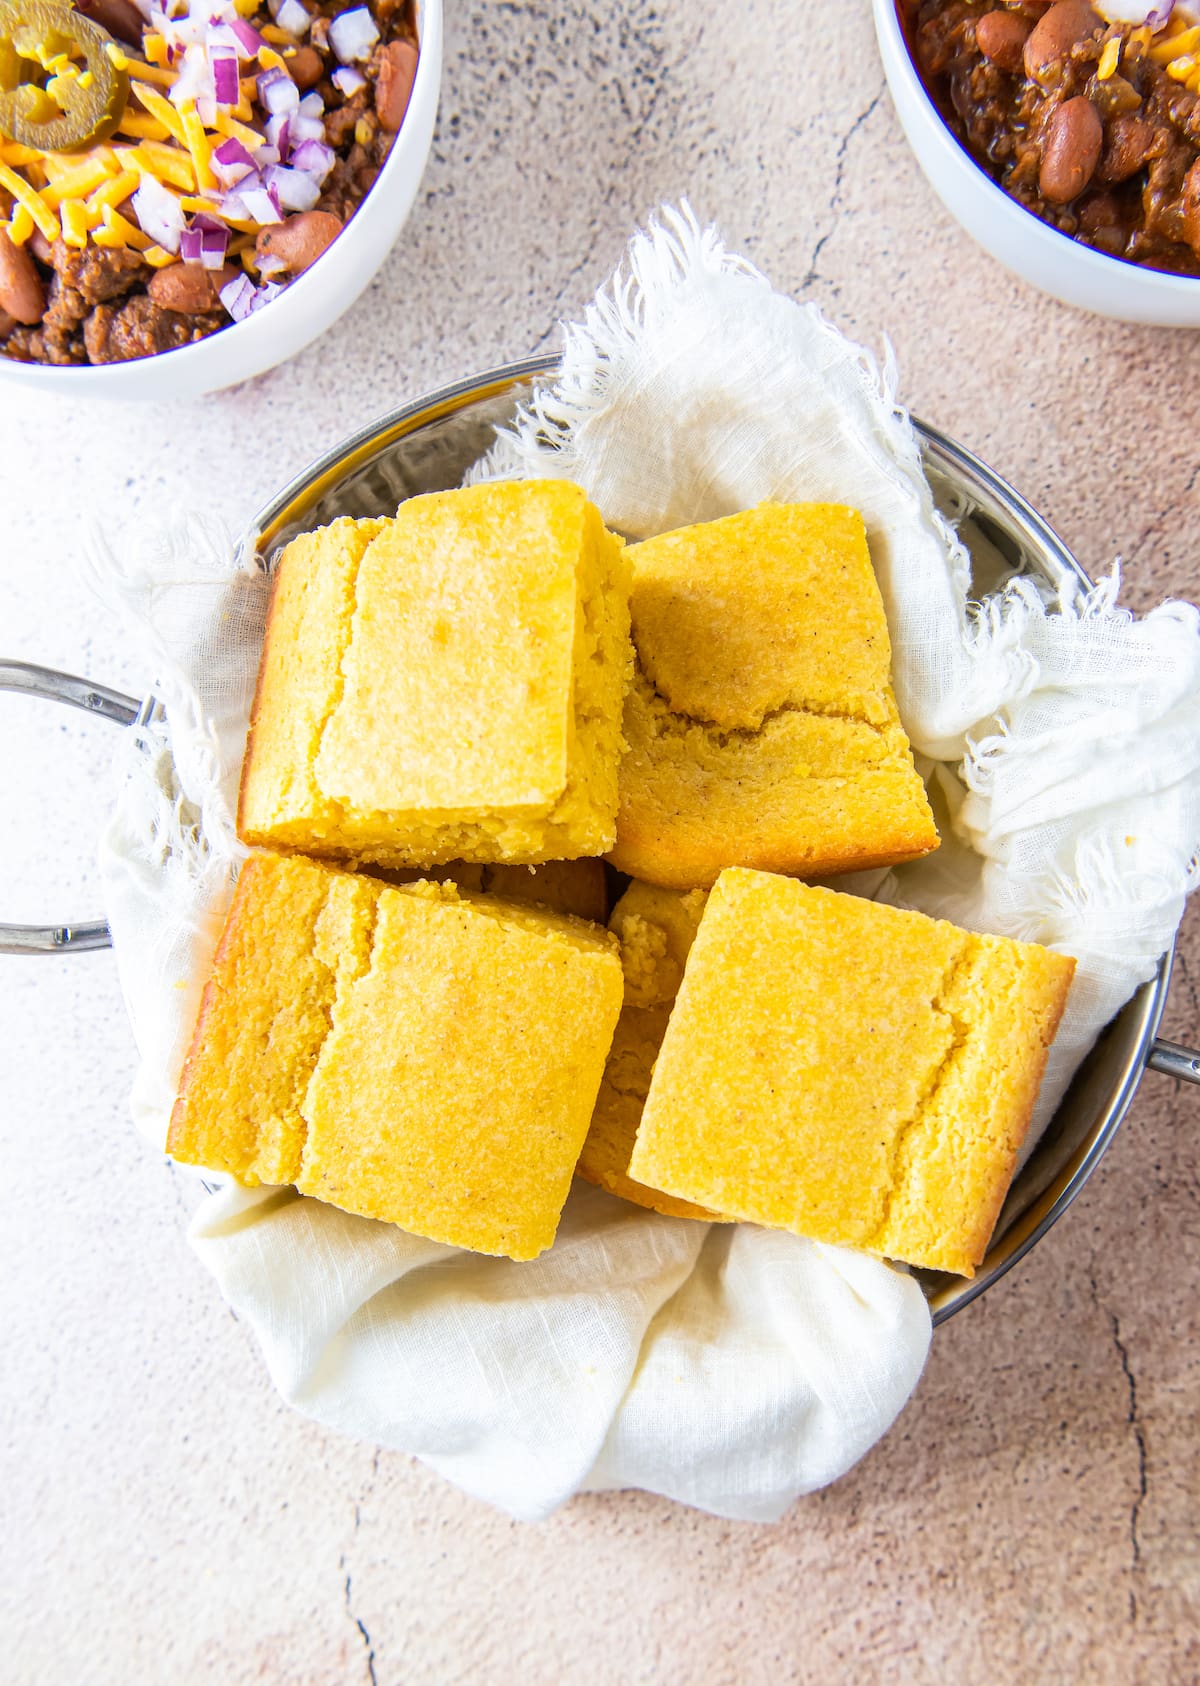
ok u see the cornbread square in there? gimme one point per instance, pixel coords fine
(576, 887)
(761, 725)
(655, 928)
(854, 1073)
(409, 1053)
(445, 685)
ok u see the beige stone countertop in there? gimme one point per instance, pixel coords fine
(1032, 1516)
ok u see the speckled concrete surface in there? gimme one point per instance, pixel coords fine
(1032, 1516)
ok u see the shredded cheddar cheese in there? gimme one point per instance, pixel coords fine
(198, 146)
(32, 200)
(162, 109)
(74, 216)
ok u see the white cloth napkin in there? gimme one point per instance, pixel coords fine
(732, 1369)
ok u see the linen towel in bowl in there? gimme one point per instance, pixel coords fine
(733, 1369)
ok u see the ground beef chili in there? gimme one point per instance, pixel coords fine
(64, 304)
(1091, 126)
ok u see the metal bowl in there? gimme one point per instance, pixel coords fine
(428, 446)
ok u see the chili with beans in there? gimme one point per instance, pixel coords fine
(208, 198)
(1094, 127)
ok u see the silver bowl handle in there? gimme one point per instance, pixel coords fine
(1174, 1060)
(48, 683)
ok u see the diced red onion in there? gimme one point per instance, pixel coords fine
(278, 133)
(238, 296)
(294, 190)
(348, 80)
(248, 37)
(1153, 12)
(270, 264)
(353, 34)
(159, 213)
(242, 298)
(225, 76)
(314, 158)
(266, 155)
(277, 93)
(213, 246)
(312, 105)
(205, 246)
(293, 17)
(220, 35)
(260, 206)
(231, 152)
(231, 163)
(305, 129)
(194, 79)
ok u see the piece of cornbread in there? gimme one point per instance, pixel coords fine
(577, 887)
(851, 1072)
(761, 725)
(409, 1053)
(445, 685)
(655, 928)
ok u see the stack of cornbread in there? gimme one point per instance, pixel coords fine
(415, 1011)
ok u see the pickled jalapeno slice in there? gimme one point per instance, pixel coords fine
(59, 89)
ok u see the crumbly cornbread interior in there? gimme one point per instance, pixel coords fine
(577, 887)
(849, 1071)
(655, 928)
(445, 685)
(411, 1053)
(761, 725)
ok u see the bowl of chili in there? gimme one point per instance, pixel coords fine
(1066, 144)
(207, 209)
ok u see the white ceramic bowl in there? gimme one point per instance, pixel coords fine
(310, 304)
(1029, 247)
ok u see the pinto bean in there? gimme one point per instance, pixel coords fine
(22, 295)
(1001, 37)
(189, 288)
(1053, 36)
(306, 67)
(120, 17)
(42, 249)
(1127, 146)
(394, 84)
(1070, 151)
(298, 240)
(7, 324)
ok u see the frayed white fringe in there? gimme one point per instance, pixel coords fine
(198, 551)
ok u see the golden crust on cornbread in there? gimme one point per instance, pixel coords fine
(409, 1053)
(655, 928)
(446, 685)
(854, 1073)
(761, 726)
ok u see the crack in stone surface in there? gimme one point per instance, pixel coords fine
(839, 176)
(359, 1623)
(1134, 1423)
